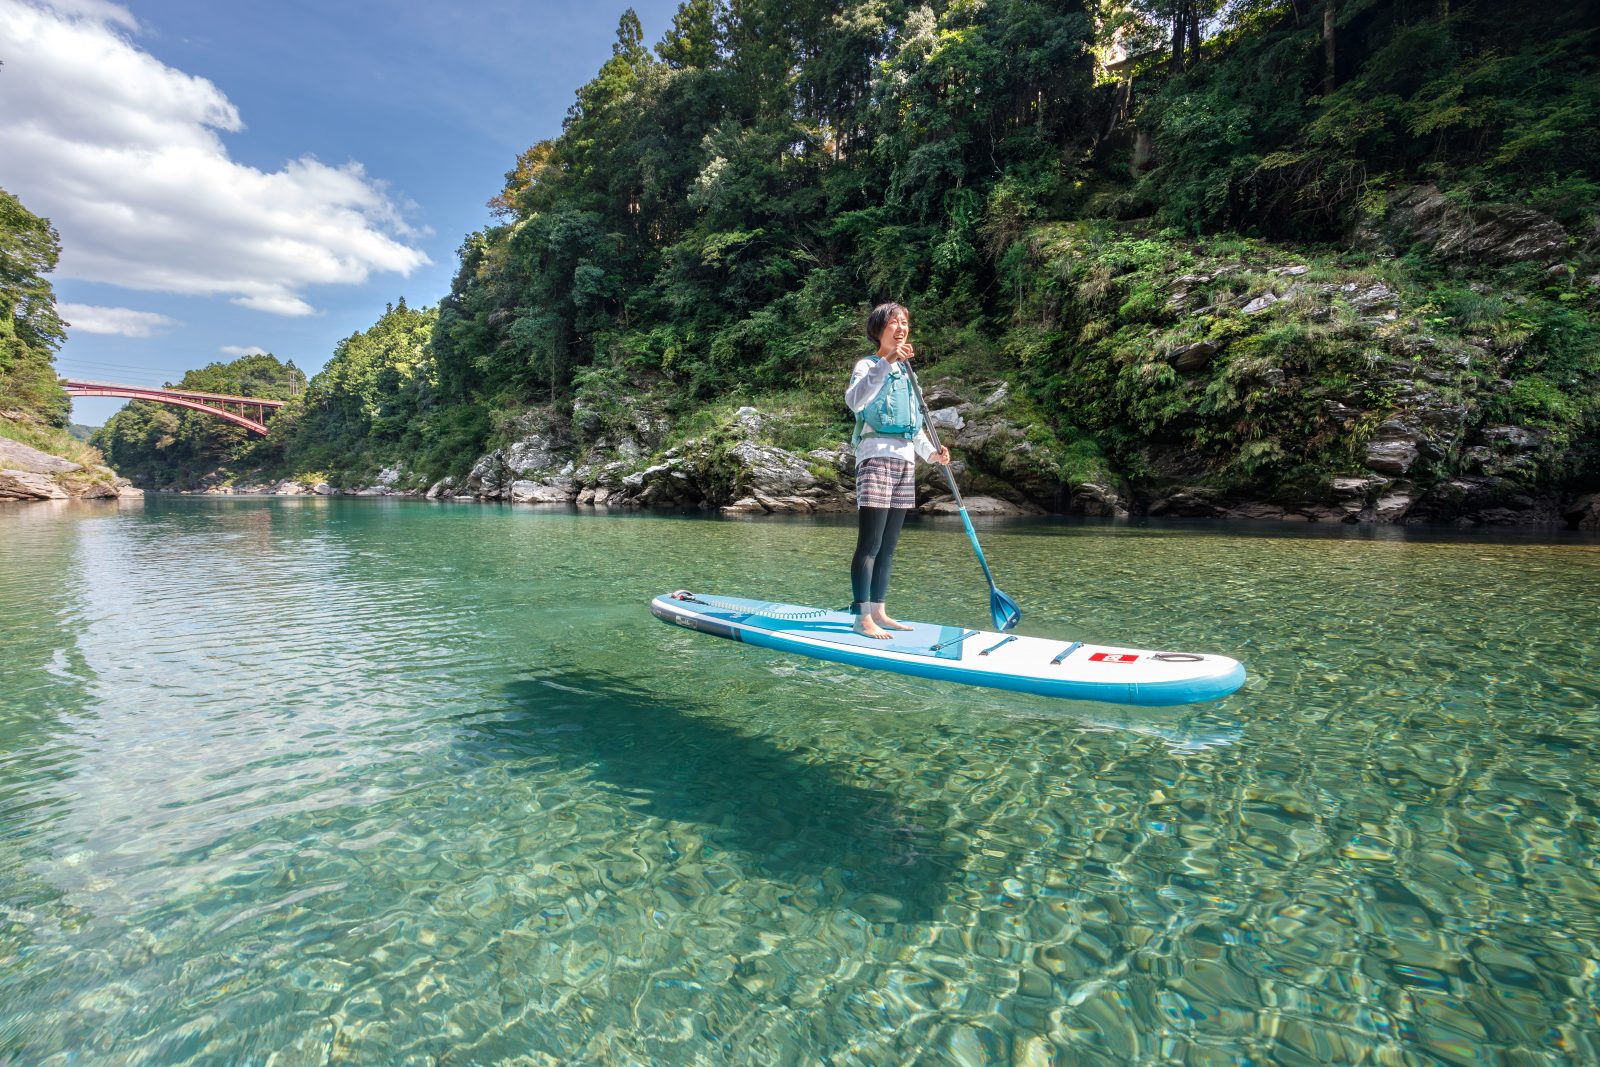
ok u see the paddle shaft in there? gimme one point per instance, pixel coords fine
(949, 476)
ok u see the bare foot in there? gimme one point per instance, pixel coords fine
(867, 628)
(883, 620)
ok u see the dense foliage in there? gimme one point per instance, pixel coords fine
(370, 404)
(30, 329)
(1297, 120)
(1036, 180)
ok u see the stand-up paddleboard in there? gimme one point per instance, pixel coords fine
(1053, 668)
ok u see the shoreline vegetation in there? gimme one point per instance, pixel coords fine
(1331, 261)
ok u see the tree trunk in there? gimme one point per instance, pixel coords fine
(1329, 53)
(1194, 34)
(1178, 38)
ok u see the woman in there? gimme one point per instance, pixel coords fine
(888, 441)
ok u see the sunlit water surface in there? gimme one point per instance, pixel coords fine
(374, 782)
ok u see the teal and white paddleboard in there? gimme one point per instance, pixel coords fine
(1040, 665)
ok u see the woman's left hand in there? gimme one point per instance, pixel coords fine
(941, 457)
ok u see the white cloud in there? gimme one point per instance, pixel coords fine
(123, 154)
(125, 322)
(243, 350)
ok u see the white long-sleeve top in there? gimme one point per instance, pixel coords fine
(866, 380)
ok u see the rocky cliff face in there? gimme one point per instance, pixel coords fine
(1153, 374)
(27, 473)
(1234, 378)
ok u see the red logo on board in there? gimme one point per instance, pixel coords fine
(1112, 657)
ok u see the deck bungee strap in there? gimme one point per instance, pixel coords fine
(997, 644)
(1065, 652)
(954, 640)
(790, 611)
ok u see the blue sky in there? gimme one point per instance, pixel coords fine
(235, 177)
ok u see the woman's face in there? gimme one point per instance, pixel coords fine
(897, 329)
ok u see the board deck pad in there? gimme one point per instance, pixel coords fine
(1047, 666)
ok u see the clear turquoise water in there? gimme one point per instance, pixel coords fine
(377, 782)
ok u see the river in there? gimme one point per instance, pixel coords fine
(297, 781)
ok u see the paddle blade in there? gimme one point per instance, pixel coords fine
(1003, 610)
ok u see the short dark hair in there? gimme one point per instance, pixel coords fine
(880, 318)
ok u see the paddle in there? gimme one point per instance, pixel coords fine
(1002, 608)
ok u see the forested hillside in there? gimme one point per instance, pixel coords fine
(1333, 253)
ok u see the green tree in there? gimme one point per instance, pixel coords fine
(30, 330)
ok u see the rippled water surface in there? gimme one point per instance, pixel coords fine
(374, 782)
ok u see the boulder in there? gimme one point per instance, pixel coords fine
(977, 505)
(1260, 509)
(1475, 233)
(1260, 303)
(1392, 506)
(1487, 500)
(1583, 513)
(1354, 493)
(1098, 501)
(1193, 357)
(1395, 445)
(1371, 300)
(16, 456)
(29, 485)
(1187, 503)
(1514, 438)
(767, 470)
(530, 492)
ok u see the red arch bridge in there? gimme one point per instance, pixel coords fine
(234, 409)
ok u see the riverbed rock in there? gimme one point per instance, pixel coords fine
(1190, 502)
(1393, 505)
(29, 485)
(1353, 494)
(531, 492)
(1099, 501)
(978, 505)
(1483, 501)
(28, 473)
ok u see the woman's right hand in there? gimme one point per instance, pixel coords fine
(902, 352)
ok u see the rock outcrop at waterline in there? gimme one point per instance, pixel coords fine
(26, 473)
(737, 469)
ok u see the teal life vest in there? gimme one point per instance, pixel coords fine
(894, 412)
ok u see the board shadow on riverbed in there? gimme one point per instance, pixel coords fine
(799, 821)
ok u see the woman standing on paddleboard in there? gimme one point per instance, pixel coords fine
(889, 439)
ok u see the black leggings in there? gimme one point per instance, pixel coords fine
(876, 535)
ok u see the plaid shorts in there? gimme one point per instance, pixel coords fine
(882, 482)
